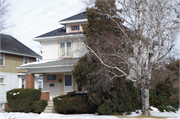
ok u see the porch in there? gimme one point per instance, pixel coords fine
(53, 78)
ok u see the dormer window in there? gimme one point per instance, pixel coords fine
(75, 28)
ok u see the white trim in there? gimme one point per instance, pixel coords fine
(72, 21)
(58, 37)
(20, 54)
(45, 67)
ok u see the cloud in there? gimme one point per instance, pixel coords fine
(31, 18)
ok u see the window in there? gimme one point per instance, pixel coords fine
(79, 89)
(26, 60)
(1, 80)
(68, 80)
(40, 85)
(51, 77)
(1, 59)
(23, 83)
(1, 105)
(75, 28)
(83, 25)
(65, 49)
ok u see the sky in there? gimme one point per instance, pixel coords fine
(27, 19)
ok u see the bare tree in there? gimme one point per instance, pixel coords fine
(149, 28)
(3, 11)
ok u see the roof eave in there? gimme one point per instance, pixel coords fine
(58, 37)
(72, 21)
(20, 54)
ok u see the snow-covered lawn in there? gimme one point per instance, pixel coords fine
(155, 112)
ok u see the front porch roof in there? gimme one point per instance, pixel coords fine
(61, 65)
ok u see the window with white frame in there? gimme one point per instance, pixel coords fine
(65, 49)
(26, 60)
(1, 80)
(1, 59)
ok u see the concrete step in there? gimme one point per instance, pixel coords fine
(49, 108)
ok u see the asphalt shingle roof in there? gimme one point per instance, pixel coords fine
(57, 32)
(12, 45)
(82, 15)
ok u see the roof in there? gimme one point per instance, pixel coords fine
(11, 45)
(50, 64)
(82, 15)
(58, 32)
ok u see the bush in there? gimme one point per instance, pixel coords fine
(39, 106)
(21, 100)
(122, 99)
(71, 103)
(160, 97)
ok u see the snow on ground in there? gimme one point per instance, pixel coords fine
(155, 112)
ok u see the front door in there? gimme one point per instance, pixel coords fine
(68, 83)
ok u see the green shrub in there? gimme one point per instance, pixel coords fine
(21, 100)
(122, 99)
(160, 97)
(70, 104)
(39, 106)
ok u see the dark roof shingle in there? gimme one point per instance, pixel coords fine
(82, 15)
(57, 32)
(11, 45)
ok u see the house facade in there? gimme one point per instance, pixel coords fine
(61, 49)
(13, 54)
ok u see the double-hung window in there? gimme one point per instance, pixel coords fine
(65, 49)
(26, 60)
(1, 59)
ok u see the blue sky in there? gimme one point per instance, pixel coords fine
(27, 19)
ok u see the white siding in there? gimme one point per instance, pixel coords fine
(51, 49)
(11, 82)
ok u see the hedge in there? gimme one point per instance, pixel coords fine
(39, 106)
(72, 104)
(21, 100)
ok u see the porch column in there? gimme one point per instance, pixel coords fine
(29, 79)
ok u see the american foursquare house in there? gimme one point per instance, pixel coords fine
(13, 54)
(61, 49)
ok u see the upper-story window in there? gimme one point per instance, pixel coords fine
(1, 59)
(65, 49)
(26, 60)
(83, 25)
(75, 28)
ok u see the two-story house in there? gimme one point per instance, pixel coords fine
(61, 50)
(13, 54)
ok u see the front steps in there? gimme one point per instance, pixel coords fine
(49, 108)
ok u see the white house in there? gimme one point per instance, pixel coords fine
(61, 50)
(13, 54)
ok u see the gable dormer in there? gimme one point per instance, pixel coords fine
(75, 23)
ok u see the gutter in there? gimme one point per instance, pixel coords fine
(55, 66)
(20, 54)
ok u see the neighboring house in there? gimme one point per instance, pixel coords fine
(13, 54)
(61, 50)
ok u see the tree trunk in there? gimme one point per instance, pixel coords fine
(145, 101)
